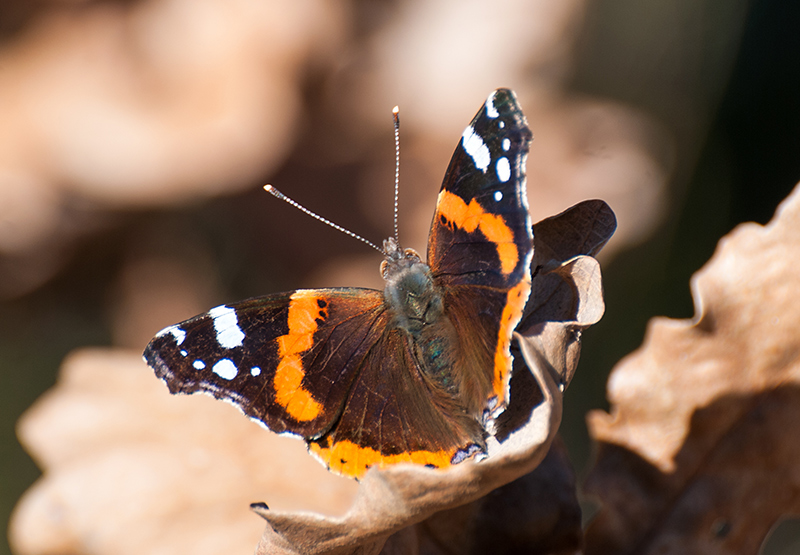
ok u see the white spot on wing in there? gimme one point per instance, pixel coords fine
(199, 364)
(498, 196)
(178, 334)
(225, 369)
(229, 334)
(503, 169)
(491, 111)
(184, 353)
(506, 143)
(255, 371)
(476, 148)
(175, 331)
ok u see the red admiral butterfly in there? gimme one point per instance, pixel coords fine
(414, 373)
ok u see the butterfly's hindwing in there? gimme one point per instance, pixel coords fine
(396, 413)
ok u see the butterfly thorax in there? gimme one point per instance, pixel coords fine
(410, 291)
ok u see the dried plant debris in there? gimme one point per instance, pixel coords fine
(536, 513)
(700, 453)
(567, 293)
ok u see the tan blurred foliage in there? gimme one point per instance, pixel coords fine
(118, 106)
(158, 100)
(700, 453)
(108, 106)
(132, 469)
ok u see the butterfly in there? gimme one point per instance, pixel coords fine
(414, 373)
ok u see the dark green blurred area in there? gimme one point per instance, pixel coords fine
(748, 162)
(722, 76)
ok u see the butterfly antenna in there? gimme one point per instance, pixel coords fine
(396, 117)
(276, 193)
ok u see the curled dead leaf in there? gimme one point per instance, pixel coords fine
(567, 291)
(699, 453)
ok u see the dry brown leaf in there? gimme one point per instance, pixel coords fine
(567, 292)
(700, 451)
(130, 469)
(535, 514)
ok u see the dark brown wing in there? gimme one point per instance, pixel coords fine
(396, 413)
(479, 248)
(323, 364)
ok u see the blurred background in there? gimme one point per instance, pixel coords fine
(135, 137)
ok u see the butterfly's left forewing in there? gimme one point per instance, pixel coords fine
(287, 360)
(480, 244)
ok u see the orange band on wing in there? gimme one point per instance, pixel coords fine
(304, 310)
(348, 459)
(512, 314)
(472, 216)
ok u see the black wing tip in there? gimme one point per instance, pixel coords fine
(503, 102)
(504, 94)
(506, 99)
(162, 370)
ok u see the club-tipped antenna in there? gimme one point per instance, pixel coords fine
(396, 117)
(276, 193)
